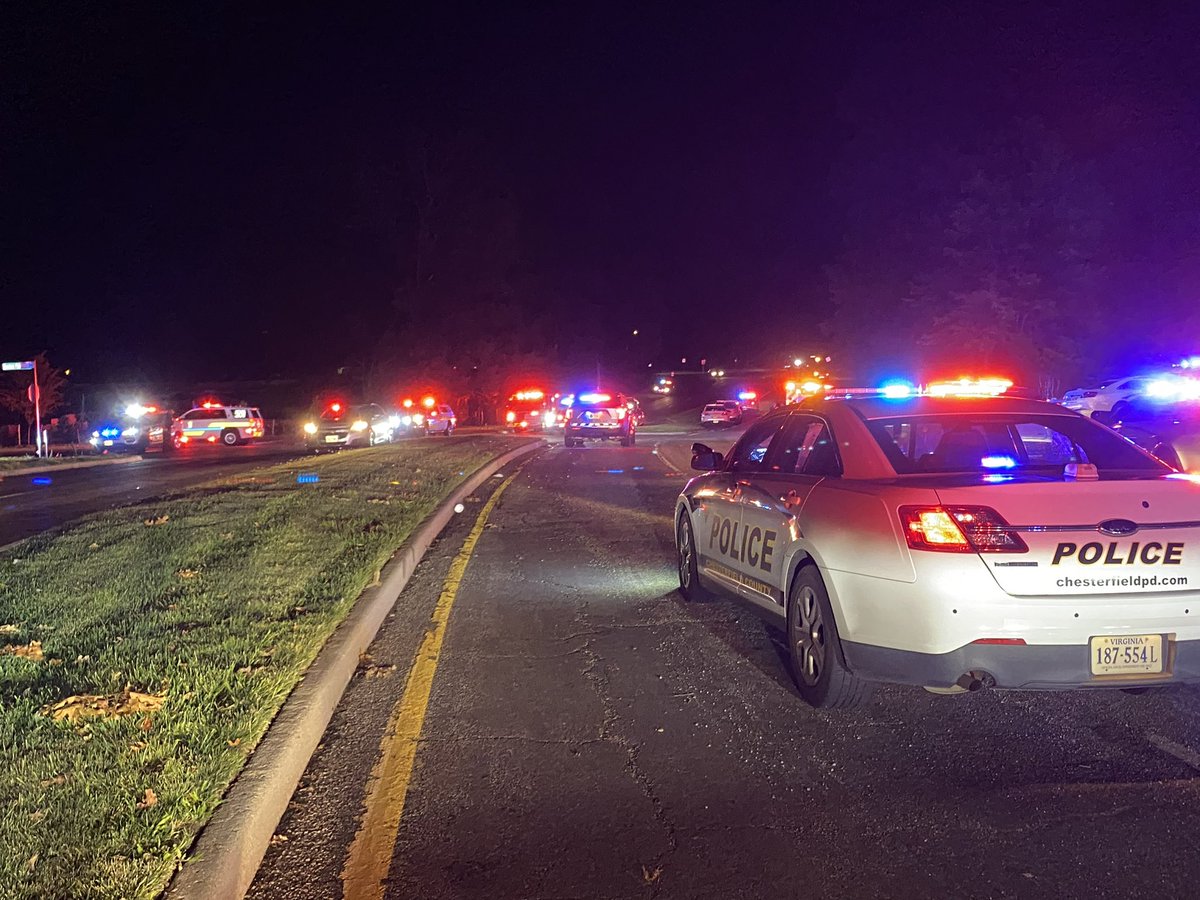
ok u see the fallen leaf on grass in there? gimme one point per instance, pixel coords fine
(32, 650)
(57, 779)
(235, 742)
(36, 817)
(187, 573)
(147, 724)
(93, 546)
(6, 630)
(29, 866)
(80, 707)
(148, 800)
(157, 520)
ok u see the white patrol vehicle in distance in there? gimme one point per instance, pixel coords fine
(214, 422)
(723, 412)
(951, 542)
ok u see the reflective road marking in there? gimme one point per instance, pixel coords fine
(371, 851)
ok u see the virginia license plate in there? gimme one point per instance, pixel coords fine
(331, 438)
(1123, 654)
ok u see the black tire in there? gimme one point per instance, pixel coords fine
(1119, 411)
(230, 438)
(626, 440)
(689, 570)
(568, 441)
(814, 650)
(632, 437)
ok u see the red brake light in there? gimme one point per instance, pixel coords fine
(335, 407)
(959, 529)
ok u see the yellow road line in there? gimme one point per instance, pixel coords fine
(371, 851)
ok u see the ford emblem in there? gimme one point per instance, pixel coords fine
(1117, 527)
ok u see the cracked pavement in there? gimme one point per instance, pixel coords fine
(590, 735)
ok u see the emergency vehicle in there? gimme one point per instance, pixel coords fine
(599, 415)
(213, 422)
(950, 539)
(529, 410)
(139, 428)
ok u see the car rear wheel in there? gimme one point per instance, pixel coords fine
(229, 437)
(689, 569)
(1119, 411)
(814, 650)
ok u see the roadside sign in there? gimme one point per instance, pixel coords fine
(17, 366)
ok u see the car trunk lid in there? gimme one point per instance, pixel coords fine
(1093, 537)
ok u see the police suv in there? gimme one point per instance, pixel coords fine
(953, 542)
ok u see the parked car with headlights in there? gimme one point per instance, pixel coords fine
(341, 425)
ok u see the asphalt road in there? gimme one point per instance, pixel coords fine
(30, 504)
(589, 734)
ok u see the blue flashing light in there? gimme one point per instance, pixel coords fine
(42, 479)
(568, 400)
(998, 462)
(307, 478)
(897, 390)
(997, 479)
(110, 432)
(615, 471)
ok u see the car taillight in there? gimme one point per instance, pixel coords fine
(621, 412)
(959, 529)
(510, 416)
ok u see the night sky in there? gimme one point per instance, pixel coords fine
(202, 193)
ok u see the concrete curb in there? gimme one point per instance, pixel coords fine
(226, 856)
(66, 467)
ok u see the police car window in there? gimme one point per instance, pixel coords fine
(1009, 443)
(750, 453)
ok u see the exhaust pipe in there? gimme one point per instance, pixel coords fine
(975, 681)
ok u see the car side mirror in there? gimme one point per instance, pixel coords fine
(705, 459)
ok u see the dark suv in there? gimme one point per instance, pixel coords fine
(601, 416)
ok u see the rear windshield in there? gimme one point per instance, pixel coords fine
(715, 407)
(1006, 443)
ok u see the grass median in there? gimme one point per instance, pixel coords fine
(15, 464)
(144, 652)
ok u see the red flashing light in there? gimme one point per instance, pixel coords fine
(407, 403)
(335, 407)
(210, 404)
(428, 402)
(534, 394)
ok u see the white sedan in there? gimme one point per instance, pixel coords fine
(1109, 398)
(951, 543)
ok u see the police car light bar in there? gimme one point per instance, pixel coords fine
(967, 387)
(595, 398)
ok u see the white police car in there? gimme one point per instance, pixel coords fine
(950, 542)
